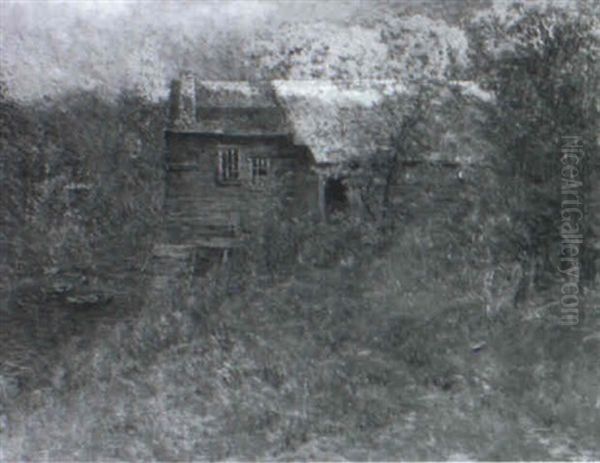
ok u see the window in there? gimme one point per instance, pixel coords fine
(228, 168)
(260, 170)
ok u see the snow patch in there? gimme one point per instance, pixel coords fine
(331, 93)
(472, 89)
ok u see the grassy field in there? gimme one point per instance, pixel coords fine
(361, 353)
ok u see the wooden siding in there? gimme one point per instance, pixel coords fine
(198, 206)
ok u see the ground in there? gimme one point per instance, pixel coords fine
(347, 357)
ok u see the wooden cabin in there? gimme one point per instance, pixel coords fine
(236, 149)
(230, 155)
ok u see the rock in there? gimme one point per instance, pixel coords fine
(478, 347)
(61, 288)
(595, 337)
(89, 299)
(9, 388)
(3, 423)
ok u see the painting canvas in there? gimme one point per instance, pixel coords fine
(299, 230)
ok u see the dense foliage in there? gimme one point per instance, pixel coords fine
(82, 192)
(543, 66)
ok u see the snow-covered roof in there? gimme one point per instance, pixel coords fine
(345, 120)
(238, 107)
(234, 94)
(336, 120)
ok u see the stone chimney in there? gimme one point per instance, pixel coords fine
(183, 101)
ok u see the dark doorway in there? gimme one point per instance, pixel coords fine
(336, 198)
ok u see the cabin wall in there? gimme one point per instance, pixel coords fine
(199, 207)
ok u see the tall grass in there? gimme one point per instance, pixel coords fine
(355, 351)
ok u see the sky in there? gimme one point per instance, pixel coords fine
(48, 47)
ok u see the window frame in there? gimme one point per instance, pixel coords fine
(228, 165)
(260, 170)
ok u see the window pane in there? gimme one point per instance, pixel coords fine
(228, 164)
(260, 169)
